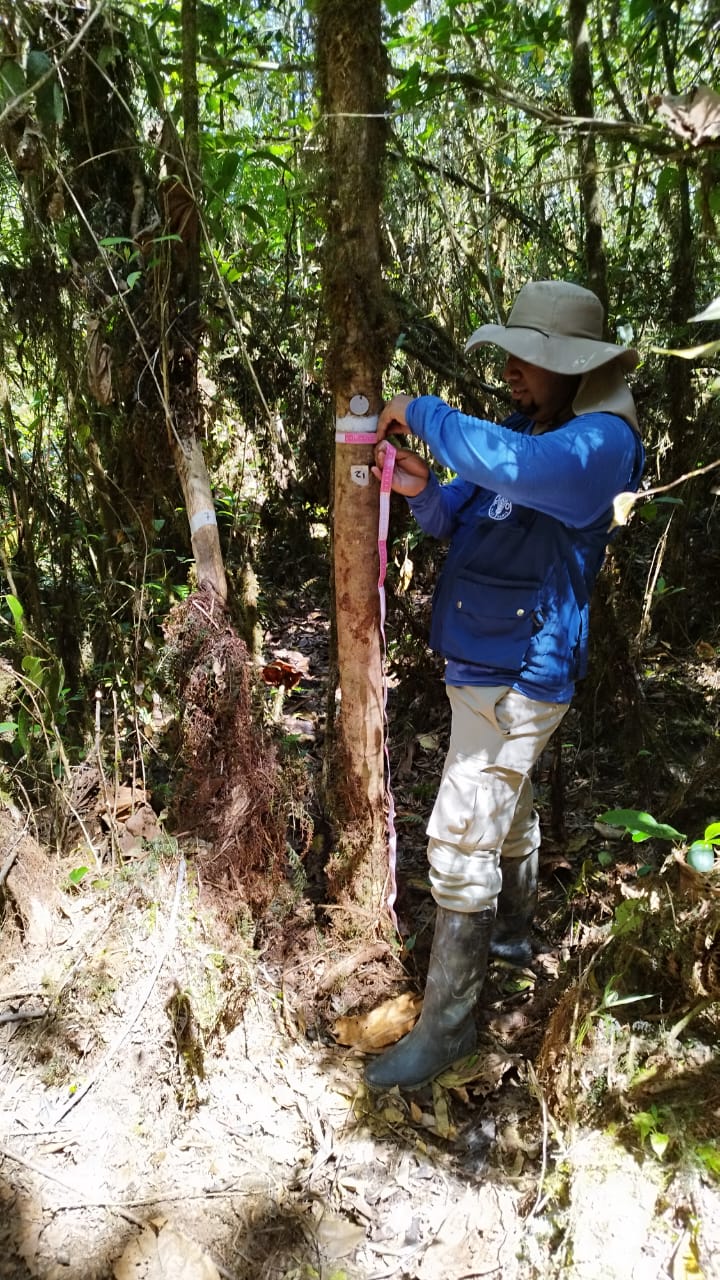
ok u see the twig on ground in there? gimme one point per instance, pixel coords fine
(699, 1007)
(25, 1015)
(343, 968)
(537, 1090)
(52, 1177)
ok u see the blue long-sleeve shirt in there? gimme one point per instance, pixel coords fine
(528, 520)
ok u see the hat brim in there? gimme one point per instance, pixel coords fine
(556, 354)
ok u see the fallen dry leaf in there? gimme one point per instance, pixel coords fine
(370, 1032)
(694, 116)
(443, 1124)
(164, 1254)
(461, 1248)
(127, 799)
(281, 673)
(484, 1070)
(337, 1236)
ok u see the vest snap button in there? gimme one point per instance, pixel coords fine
(520, 613)
(458, 604)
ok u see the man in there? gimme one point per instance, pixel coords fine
(528, 519)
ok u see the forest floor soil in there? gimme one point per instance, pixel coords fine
(174, 1104)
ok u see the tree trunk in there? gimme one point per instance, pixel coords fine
(612, 668)
(351, 74)
(582, 97)
(181, 391)
(686, 433)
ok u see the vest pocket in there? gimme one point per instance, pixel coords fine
(489, 622)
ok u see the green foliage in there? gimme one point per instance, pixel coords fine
(641, 826)
(609, 1001)
(708, 1156)
(648, 1125)
(483, 191)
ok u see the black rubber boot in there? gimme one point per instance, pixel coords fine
(516, 910)
(446, 1027)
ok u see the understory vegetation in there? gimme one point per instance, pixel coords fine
(168, 666)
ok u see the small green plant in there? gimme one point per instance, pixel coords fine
(76, 876)
(701, 854)
(609, 1000)
(641, 826)
(708, 1154)
(648, 1125)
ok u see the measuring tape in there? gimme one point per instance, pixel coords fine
(347, 432)
(383, 525)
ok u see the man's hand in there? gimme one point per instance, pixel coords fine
(392, 419)
(411, 473)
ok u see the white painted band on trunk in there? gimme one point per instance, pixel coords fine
(353, 422)
(200, 519)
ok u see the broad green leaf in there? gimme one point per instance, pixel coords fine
(38, 64)
(712, 833)
(642, 826)
(645, 1122)
(107, 55)
(264, 153)
(659, 1143)
(709, 1153)
(78, 874)
(33, 668)
(17, 612)
(253, 214)
(12, 80)
(668, 181)
(24, 726)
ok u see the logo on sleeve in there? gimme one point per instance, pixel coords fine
(500, 508)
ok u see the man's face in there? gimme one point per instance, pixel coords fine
(540, 394)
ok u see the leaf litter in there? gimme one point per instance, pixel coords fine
(217, 1126)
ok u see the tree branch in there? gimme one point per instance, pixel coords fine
(632, 132)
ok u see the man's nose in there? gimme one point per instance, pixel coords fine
(510, 369)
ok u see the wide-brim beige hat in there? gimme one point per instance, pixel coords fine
(557, 326)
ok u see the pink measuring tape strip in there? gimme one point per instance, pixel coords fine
(366, 437)
(383, 525)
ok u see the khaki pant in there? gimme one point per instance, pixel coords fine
(484, 807)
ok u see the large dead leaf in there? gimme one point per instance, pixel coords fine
(484, 1070)
(337, 1236)
(369, 1032)
(467, 1242)
(162, 1253)
(694, 116)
